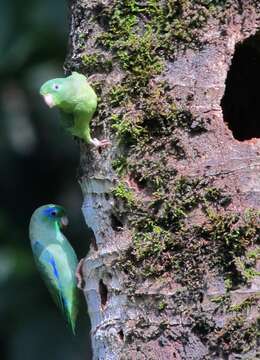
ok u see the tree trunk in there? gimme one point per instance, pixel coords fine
(173, 269)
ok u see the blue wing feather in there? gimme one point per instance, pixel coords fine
(55, 288)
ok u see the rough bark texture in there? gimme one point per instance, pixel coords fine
(173, 271)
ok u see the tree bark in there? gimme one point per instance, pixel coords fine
(173, 269)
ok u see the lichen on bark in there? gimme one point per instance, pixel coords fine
(173, 272)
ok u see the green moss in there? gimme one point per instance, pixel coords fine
(218, 299)
(140, 36)
(228, 283)
(253, 254)
(237, 336)
(152, 242)
(245, 304)
(152, 115)
(122, 192)
(231, 234)
(118, 94)
(94, 63)
(162, 116)
(120, 165)
(213, 194)
(155, 116)
(177, 198)
(164, 241)
(127, 127)
(151, 173)
(222, 302)
(202, 323)
(135, 52)
(140, 32)
(246, 268)
(162, 305)
(138, 55)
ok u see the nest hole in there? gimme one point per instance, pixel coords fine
(92, 238)
(240, 103)
(116, 224)
(121, 335)
(103, 291)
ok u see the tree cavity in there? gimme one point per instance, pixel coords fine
(241, 100)
(103, 291)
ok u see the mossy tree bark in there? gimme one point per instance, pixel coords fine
(173, 271)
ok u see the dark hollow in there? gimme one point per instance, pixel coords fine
(241, 101)
(103, 292)
(92, 238)
(121, 334)
(116, 224)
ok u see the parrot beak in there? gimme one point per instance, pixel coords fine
(64, 221)
(49, 100)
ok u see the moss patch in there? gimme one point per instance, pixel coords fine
(159, 27)
(245, 304)
(121, 191)
(237, 336)
(163, 239)
(96, 63)
(152, 125)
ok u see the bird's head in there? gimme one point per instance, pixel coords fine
(53, 215)
(70, 93)
(54, 92)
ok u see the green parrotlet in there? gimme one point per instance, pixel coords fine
(77, 102)
(55, 258)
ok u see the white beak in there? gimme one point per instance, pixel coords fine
(49, 100)
(64, 221)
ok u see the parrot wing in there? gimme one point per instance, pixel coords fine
(67, 120)
(48, 268)
(52, 277)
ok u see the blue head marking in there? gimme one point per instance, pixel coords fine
(51, 212)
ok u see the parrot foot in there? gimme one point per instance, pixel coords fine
(79, 275)
(100, 143)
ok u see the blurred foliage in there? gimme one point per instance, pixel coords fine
(38, 163)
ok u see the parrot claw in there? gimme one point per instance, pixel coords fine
(100, 143)
(79, 275)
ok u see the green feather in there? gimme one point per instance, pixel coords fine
(55, 259)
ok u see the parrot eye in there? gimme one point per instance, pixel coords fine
(54, 213)
(56, 87)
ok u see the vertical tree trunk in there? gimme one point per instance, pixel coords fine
(173, 270)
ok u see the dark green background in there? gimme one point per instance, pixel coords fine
(38, 164)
